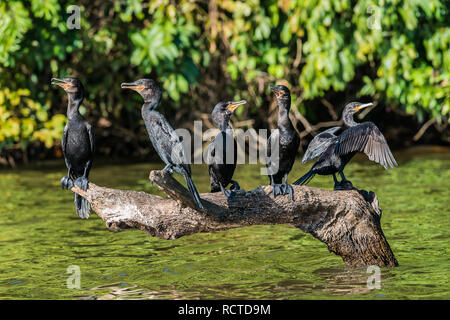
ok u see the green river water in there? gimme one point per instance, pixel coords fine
(41, 236)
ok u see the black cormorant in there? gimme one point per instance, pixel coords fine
(77, 143)
(166, 141)
(222, 152)
(289, 141)
(334, 152)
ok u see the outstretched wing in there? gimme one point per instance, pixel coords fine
(367, 138)
(319, 144)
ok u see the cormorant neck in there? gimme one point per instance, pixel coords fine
(221, 119)
(348, 120)
(75, 100)
(284, 105)
(151, 103)
(223, 125)
(149, 106)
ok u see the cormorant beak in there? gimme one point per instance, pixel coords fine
(233, 105)
(62, 83)
(133, 86)
(362, 106)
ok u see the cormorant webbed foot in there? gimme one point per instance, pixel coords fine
(66, 183)
(228, 193)
(283, 189)
(277, 190)
(287, 188)
(235, 186)
(82, 183)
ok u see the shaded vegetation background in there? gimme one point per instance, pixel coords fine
(328, 52)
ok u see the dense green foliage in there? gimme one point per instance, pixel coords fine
(396, 52)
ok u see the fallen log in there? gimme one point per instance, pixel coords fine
(348, 222)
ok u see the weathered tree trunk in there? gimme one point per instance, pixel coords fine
(348, 222)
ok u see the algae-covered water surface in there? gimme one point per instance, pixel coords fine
(41, 237)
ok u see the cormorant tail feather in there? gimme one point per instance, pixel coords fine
(193, 191)
(305, 179)
(82, 206)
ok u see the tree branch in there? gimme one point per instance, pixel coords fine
(348, 222)
(422, 130)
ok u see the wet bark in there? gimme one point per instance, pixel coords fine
(348, 222)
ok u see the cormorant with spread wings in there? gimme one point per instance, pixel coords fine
(334, 152)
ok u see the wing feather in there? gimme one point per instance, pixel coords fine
(64, 139)
(167, 142)
(91, 136)
(319, 144)
(274, 136)
(367, 138)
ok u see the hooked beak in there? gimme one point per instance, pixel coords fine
(233, 105)
(132, 86)
(61, 82)
(362, 106)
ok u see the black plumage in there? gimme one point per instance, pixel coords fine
(222, 152)
(77, 143)
(288, 142)
(334, 152)
(166, 141)
(319, 144)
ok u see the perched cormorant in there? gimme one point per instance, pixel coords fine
(77, 143)
(166, 141)
(334, 152)
(289, 141)
(220, 167)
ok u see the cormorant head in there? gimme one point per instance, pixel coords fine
(353, 107)
(147, 88)
(281, 92)
(70, 85)
(223, 110)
